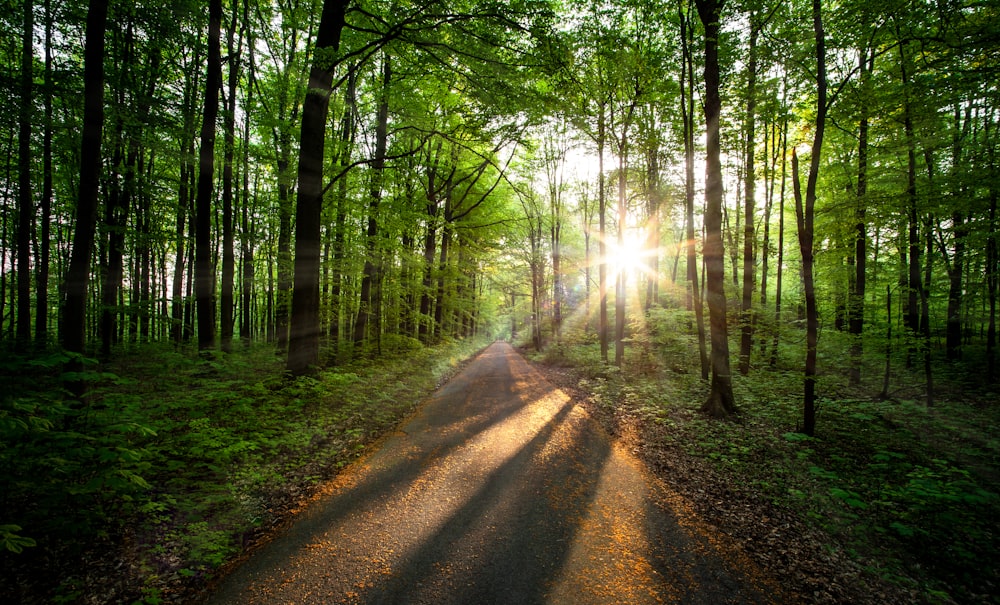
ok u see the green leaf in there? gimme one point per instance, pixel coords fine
(12, 542)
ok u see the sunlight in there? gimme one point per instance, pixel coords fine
(630, 256)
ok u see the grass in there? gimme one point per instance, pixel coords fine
(177, 462)
(909, 492)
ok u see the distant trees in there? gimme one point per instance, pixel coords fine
(395, 215)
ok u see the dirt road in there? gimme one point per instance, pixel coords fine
(499, 490)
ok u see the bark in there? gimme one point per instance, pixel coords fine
(912, 317)
(42, 273)
(602, 246)
(992, 265)
(805, 214)
(687, 114)
(25, 205)
(856, 297)
(204, 277)
(227, 303)
(304, 323)
(370, 272)
(749, 258)
(78, 272)
(960, 229)
(620, 273)
(720, 402)
(347, 134)
(247, 230)
(779, 272)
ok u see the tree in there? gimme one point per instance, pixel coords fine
(78, 274)
(304, 327)
(204, 265)
(721, 401)
(805, 219)
(687, 116)
(25, 206)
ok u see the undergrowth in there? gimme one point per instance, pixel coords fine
(910, 492)
(175, 462)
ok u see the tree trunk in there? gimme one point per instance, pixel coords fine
(856, 297)
(25, 206)
(42, 274)
(804, 214)
(304, 324)
(749, 259)
(602, 246)
(992, 265)
(620, 272)
(204, 277)
(372, 262)
(687, 114)
(779, 271)
(720, 402)
(343, 159)
(247, 288)
(78, 272)
(227, 302)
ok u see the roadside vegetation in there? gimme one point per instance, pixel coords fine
(179, 463)
(906, 493)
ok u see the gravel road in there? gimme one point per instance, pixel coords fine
(500, 489)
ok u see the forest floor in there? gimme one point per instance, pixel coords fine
(500, 489)
(185, 464)
(811, 568)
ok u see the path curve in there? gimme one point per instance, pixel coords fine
(498, 490)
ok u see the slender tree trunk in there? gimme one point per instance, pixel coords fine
(372, 262)
(602, 246)
(42, 274)
(227, 302)
(856, 297)
(780, 261)
(204, 278)
(992, 264)
(25, 205)
(304, 324)
(720, 402)
(78, 272)
(687, 114)
(247, 289)
(805, 214)
(956, 269)
(914, 287)
(750, 193)
(620, 273)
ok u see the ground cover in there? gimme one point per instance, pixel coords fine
(177, 463)
(890, 502)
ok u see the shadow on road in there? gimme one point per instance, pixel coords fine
(500, 490)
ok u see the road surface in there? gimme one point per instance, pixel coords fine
(498, 490)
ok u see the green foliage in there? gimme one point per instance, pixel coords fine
(911, 492)
(188, 456)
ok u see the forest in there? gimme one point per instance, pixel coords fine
(241, 239)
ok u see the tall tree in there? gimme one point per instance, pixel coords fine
(687, 116)
(204, 277)
(25, 205)
(44, 245)
(805, 219)
(78, 273)
(370, 275)
(721, 402)
(749, 198)
(304, 326)
(858, 260)
(227, 303)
